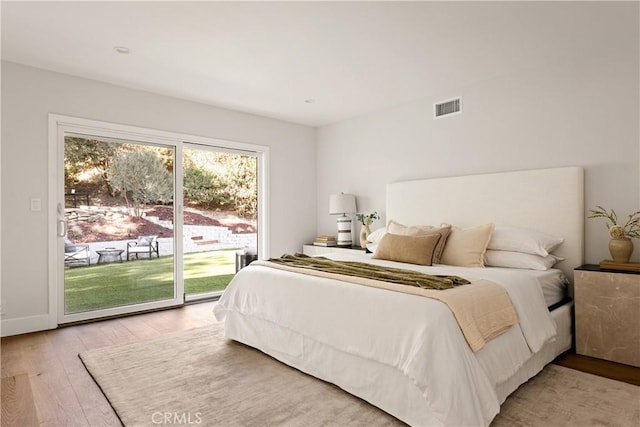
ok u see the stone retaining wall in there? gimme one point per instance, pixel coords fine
(213, 238)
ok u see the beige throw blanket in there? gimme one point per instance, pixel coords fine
(482, 309)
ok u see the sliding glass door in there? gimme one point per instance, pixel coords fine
(141, 219)
(117, 221)
(220, 189)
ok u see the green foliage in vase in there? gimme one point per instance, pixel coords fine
(367, 219)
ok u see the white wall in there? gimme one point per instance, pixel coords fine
(29, 94)
(581, 112)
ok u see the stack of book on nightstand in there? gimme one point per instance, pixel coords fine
(325, 241)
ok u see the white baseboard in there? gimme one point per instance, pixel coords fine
(24, 325)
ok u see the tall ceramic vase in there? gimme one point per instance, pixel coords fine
(621, 249)
(364, 233)
(620, 246)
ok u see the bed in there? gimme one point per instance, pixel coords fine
(404, 353)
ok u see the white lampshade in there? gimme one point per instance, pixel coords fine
(342, 203)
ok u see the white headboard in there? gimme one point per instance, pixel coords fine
(548, 200)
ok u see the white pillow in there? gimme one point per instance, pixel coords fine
(523, 240)
(374, 238)
(394, 227)
(512, 259)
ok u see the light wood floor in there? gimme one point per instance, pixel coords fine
(44, 383)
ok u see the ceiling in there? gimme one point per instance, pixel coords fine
(312, 63)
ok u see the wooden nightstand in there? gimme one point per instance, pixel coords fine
(607, 310)
(313, 250)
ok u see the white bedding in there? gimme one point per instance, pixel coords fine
(414, 343)
(554, 285)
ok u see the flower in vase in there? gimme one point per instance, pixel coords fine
(367, 219)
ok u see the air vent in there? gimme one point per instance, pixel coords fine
(445, 108)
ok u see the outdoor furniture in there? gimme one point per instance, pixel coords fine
(143, 245)
(107, 255)
(243, 259)
(76, 254)
(74, 197)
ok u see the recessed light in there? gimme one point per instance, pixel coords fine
(122, 49)
(309, 101)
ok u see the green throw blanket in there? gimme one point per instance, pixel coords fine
(369, 271)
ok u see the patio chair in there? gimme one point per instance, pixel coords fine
(76, 254)
(143, 245)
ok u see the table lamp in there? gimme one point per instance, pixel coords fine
(342, 204)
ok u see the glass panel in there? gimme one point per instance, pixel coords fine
(220, 198)
(119, 212)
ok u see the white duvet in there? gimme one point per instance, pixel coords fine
(416, 336)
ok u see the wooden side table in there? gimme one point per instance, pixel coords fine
(607, 314)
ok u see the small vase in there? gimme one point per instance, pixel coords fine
(364, 233)
(621, 249)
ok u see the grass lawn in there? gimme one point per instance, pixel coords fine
(136, 281)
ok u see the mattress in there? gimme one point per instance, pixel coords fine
(369, 341)
(552, 282)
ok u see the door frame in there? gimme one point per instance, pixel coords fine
(61, 124)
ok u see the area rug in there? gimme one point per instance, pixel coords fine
(198, 377)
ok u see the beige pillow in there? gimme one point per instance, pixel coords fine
(466, 247)
(409, 249)
(394, 227)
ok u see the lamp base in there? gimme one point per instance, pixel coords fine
(344, 231)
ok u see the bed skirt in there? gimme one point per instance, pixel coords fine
(379, 384)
